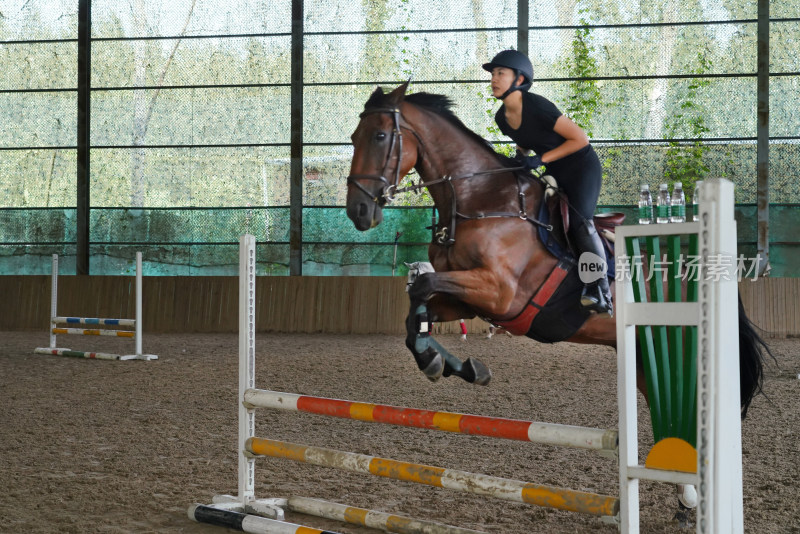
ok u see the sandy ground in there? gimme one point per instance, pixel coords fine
(121, 447)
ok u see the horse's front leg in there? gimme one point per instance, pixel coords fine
(433, 359)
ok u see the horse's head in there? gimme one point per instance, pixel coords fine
(380, 158)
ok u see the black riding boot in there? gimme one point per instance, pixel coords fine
(596, 295)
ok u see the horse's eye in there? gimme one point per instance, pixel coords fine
(380, 136)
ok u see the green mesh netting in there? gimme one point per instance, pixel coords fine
(205, 241)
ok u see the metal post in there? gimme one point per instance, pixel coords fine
(296, 166)
(53, 300)
(138, 321)
(84, 107)
(762, 165)
(138, 304)
(247, 362)
(522, 26)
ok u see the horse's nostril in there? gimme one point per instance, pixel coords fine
(362, 210)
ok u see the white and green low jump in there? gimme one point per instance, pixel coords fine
(681, 302)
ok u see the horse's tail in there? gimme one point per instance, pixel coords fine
(751, 360)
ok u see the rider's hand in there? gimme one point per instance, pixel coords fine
(530, 163)
(533, 163)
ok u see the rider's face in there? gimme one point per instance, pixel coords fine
(502, 78)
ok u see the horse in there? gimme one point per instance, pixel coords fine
(487, 253)
(498, 260)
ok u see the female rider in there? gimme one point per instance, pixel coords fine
(535, 124)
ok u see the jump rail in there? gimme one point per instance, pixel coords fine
(56, 320)
(478, 484)
(247, 522)
(94, 332)
(221, 514)
(603, 441)
(370, 518)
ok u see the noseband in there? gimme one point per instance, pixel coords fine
(389, 188)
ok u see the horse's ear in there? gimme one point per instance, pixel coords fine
(397, 96)
(375, 99)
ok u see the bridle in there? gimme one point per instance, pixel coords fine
(389, 188)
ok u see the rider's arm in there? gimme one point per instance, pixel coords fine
(574, 139)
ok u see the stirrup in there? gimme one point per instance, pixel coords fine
(596, 303)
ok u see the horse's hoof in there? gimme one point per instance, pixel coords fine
(435, 369)
(687, 495)
(473, 371)
(482, 375)
(431, 364)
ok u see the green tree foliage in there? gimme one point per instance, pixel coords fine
(585, 98)
(684, 162)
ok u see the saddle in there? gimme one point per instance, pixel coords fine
(554, 211)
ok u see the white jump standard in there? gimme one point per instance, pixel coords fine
(56, 321)
(715, 467)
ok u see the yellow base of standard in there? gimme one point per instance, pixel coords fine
(672, 454)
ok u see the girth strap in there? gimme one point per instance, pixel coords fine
(521, 324)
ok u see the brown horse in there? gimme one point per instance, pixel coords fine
(495, 263)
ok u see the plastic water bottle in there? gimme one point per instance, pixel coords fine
(678, 213)
(695, 204)
(645, 205)
(663, 205)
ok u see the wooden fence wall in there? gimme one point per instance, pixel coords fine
(348, 305)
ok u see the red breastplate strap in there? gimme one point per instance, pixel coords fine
(521, 324)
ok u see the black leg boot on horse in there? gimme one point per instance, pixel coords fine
(432, 358)
(596, 295)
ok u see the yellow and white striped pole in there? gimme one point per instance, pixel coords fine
(501, 488)
(371, 518)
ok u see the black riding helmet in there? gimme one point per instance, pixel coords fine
(516, 61)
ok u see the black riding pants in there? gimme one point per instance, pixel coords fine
(580, 176)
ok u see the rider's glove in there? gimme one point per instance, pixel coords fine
(531, 163)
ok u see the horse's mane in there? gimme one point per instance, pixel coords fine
(440, 105)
